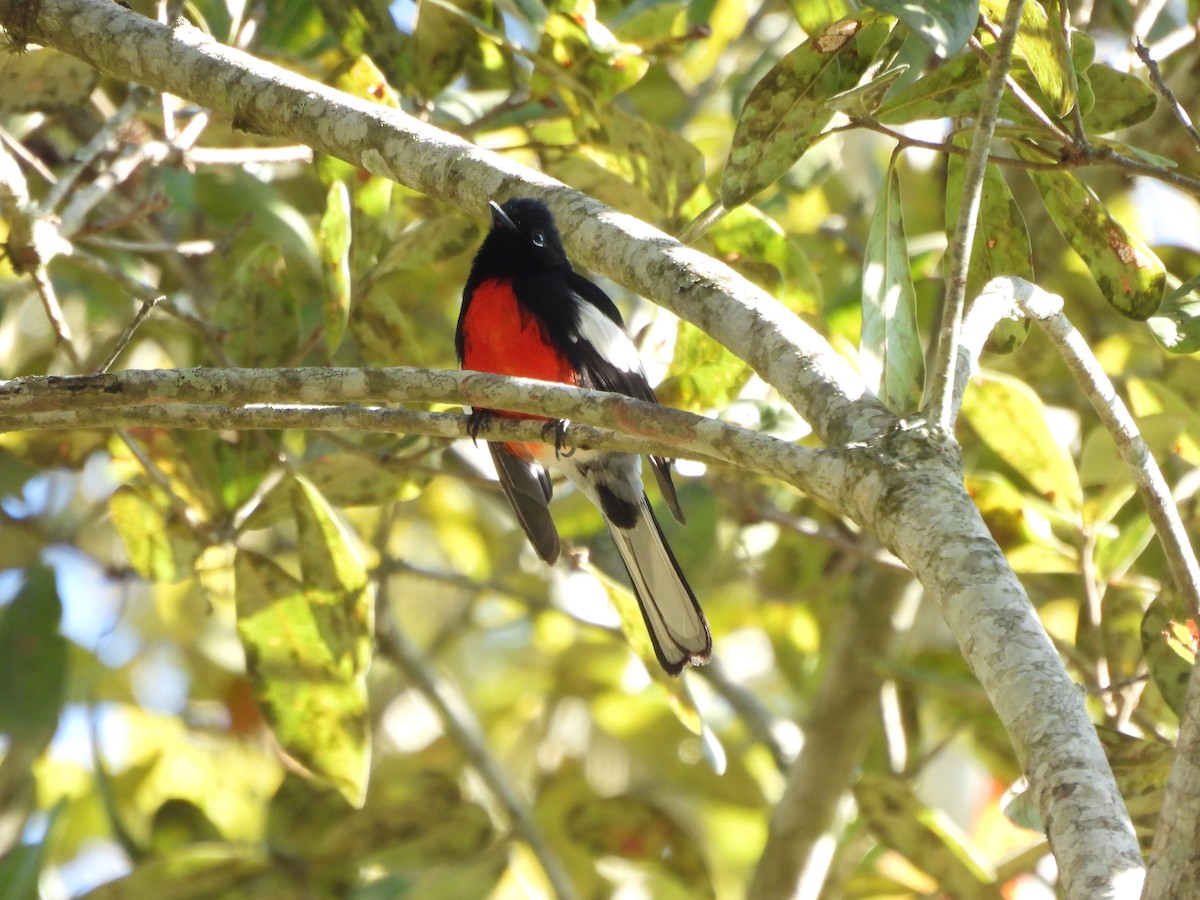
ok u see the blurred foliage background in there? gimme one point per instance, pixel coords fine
(168, 594)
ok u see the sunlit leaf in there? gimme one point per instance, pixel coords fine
(1001, 245)
(786, 111)
(924, 836)
(816, 14)
(945, 25)
(1176, 326)
(1169, 640)
(159, 546)
(581, 46)
(1127, 272)
(308, 645)
(333, 238)
(703, 375)
(443, 42)
(1010, 418)
(952, 89)
(1040, 43)
(890, 355)
(755, 245)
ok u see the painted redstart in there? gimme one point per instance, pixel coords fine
(526, 312)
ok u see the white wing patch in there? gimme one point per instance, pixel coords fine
(609, 339)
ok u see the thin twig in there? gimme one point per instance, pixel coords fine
(1046, 310)
(944, 146)
(941, 395)
(123, 341)
(54, 312)
(1160, 85)
(86, 155)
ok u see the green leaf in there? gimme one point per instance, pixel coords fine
(33, 676)
(951, 90)
(159, 547)
(890, 355)
(258, 312)
(1041, 43)
(1140, 768)
(1169, 642)
(333, 239)
(786, 112)
(632, 828)
(814, 15)
(195, 873)
(657, 160)
(308, 645)
(865, 99)
(924, 836)
(329, 555)
(44, 79)
(703, 374)
(443, 42)
(1001, 245)
(1124, 100)
(1010, 418)
(429, 242)
(1128, 273)
(756, 246)
(580, 46)
(1177, 325)
(945, 25)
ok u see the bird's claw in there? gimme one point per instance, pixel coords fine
(476, 420)
(559, 426)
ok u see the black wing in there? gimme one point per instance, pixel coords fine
(600, 372)
(528, 489)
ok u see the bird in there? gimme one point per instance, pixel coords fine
(526, 312)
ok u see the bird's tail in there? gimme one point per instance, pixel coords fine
(674, 619)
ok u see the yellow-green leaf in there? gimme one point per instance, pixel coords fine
(258, 311)
(1169, 642)
(785, 112)
(1041, 43)
(890, 354)
(306, 655)
(1125, 100)
(924, 836)
(1010, 418)
(1128, 273)
(1001, 244)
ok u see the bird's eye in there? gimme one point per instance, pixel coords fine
(538, 238)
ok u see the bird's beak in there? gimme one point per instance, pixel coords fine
(500, 218)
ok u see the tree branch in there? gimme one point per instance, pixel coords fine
(259, 97)
(260, 398)
(940, 397)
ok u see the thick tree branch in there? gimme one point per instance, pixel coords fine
(259, 97)
(265, 398)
